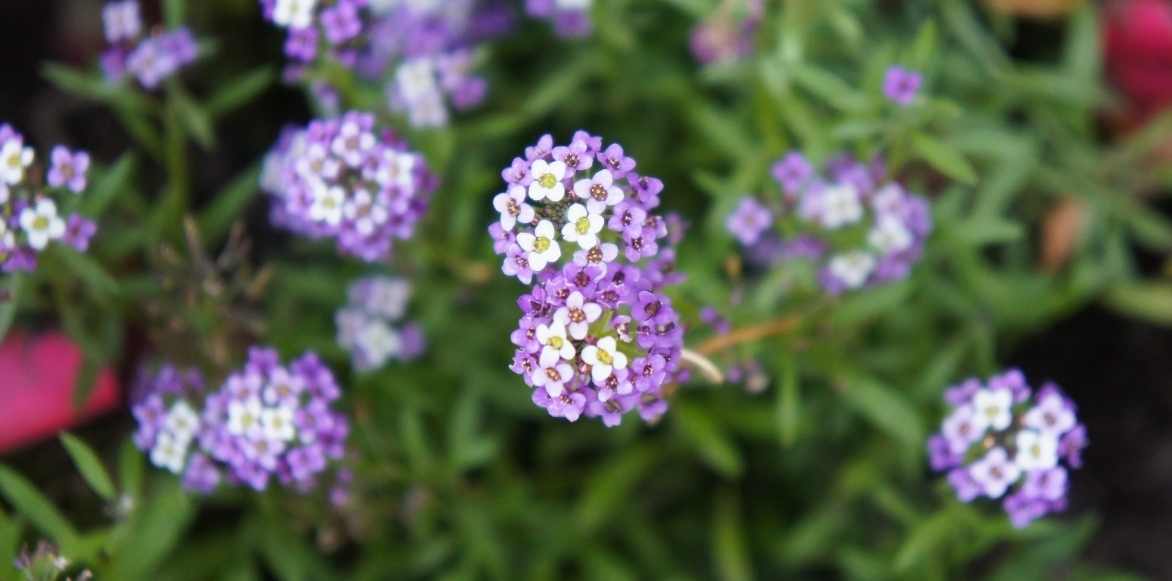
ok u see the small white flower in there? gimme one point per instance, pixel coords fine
(317, 164)
(14, 158)
(555, 344)
(7, 238)
(840, 206)
(377, 342)
(577, 315)
(328, 202)
(366, 212)
(122, 21)
(395, 169)
(547, 181)
(181, 422)
(889, 200)
(994, 473)
(169, 453)
(283, 388)
(994, 406)
(1036, 450)
(889, 235)
(513, 208)
(599, 191)
(541, 246)
(582, 226)
(244, 418)
(604, 253)
(1051, 416)
(42, 223)
(352, 143)
(277, 424)
(294, 13)
(852, 268)
(604, 358)
(963, 427)
(553, 378)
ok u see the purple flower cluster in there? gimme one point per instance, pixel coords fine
(600, 341)
(318, 28)
(31, 208)
(728, 34)
(426, 51)
(597, 338)
(266, 421)
(1001, 439)
(859, 227)
(369, 325)
(151, 59)
(345, 178)
(571, 18)
(578, 203)
(901, 86)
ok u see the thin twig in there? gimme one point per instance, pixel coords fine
(748, 334)
(704, 365)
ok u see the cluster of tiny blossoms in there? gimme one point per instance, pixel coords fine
(1000, 435)
(729, 33)
(367, 324)
(346, 179)
(320, 27)
(857, 226)
(30, 207)
(266, 421)
(570, 18)
(597, 337)
(150, 59)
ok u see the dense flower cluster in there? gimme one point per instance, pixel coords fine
(319, 27)
(367, 325)
(266, 421)
(150, 59)
(597, 338)
(901, 86)
(859, 227)
(570, 18)
(560, 207)
(728, 34)
(345, 178)
(1000, 435)
(31, 215)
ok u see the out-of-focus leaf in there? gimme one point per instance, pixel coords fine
(88, 270)
(728, 540)
(194, 117)
(239, 91)
(229, 205)
(788, 401)
(885, 408)
(710, 440)
(158, 527)
(925, 540)
(112, 182)
(39, 511)
(944, 158)
(1151, 302)
(10, 285)
(611, 484)
(130, 469)
(89, 465)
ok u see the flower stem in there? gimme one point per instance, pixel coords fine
(749, 334)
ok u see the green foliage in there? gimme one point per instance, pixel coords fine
(819, 474)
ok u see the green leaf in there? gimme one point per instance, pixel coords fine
(944, 158)
(610, 486)
(829, 88)
(89, 465)
(229, 205)
(39, 511)
(240, 91)
(925, 540)
(10, 283)
(789, 400)
(174, 12)
(710, 440)
(157, 527)
(109, 185)
(131, 469)
(194, 118)
(89, 270)
(1149, 301)
(728, 540)
(885, 408)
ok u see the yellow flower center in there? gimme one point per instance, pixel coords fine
(556, 342)
(542, 244)
(582, 225)
(547, 181)
(41, 223)
(604, 357)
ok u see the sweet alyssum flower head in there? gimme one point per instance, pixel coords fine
(570, 18)
(728, 33)
(34, 201)
(370, 326)
(577, 203)
(1001, 439)
(346, 179)
(856, 225)
(150, 59)
(166, 404)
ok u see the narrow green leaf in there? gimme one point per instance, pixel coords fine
(1150, 302)
(728, 540)
(611, 484)
(194, 118)
(944, 158)
(789, 401)
(711, 442)
(157, 528)
(240, 91)
(112, 182)
(89, 270)
(924, 540)
(89, 465)
(9, 301)
(131, 469)
(885, 408)
(39, 511)
(229, 205)
(174, 12)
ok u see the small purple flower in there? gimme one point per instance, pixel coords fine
(79, 231)
(369, 325)
(341, 22)
(614, 159)
(749, 221)
(69, 169)
(793, 172)
(902, 85)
